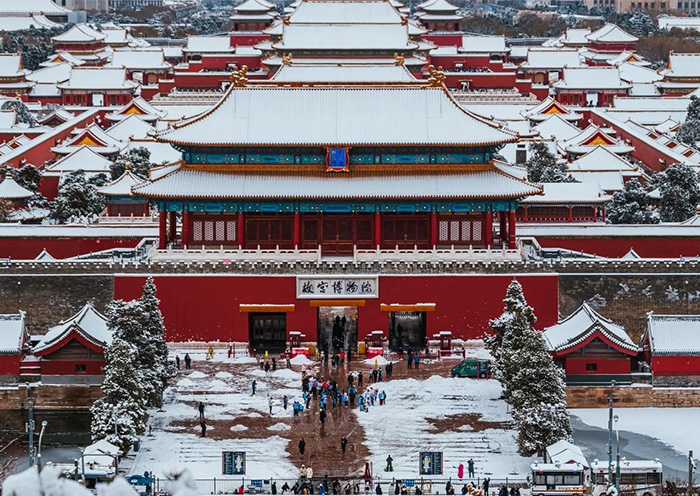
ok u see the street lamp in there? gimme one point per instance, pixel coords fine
(617, 460)
(41, 435)
(610, 432)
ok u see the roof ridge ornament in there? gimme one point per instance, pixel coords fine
(436, 77)
(287, 59)
(238, 77)
(400, 59)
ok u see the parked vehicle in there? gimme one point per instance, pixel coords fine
(556, 479)
(637, 477)
(473, 368)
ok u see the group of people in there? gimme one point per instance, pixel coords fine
(413, 360)
(188, 361)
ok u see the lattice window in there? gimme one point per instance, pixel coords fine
(197, 230)
(454, 230)
(208, 230)
(442, 231)
(466, 230)
(230, 230)
(476, 230)
(220, 233)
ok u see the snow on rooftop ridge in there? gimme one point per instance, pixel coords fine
(122, 185)
(549, 106)
(549, 58)
(335, 12)
(556, 127)
(601, 159)
(79, 33)
(254, 6)
(46, 7)
(133, 127)
(12, 333)
(44, 256)
(84, 158)
(343, 73)
(591, 78)
(682, 65)
(10, 190)
(673, 334)
(483, 44)
(98, 78)
(631, 255)
(611, 33)
(208, 44)
(345, 37)
(88, 322)
(26, 21)
(11, 66)
(567, 193)
(153, 58)
(580, 325)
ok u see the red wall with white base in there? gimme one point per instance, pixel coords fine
(651, 247)
(206, 308)
(30, 248)
(675, 365)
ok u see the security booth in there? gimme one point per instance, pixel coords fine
(295, 339)
(445, 340)
(375, 344)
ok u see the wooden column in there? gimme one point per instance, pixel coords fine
(603, 213)
(297, 230)
(377, 229)
(186, 229)
(240, 229)
(511, 230)
(172, 225)
(488, 229)
(503, 227)
(525, 216)
(571, 215)
(162, 231)
(433, 229)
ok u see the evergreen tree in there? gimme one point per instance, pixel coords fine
(77, 198)
(154, 356)
(139, 159)
(640, 24)
(543, 166)
(631, 206)
(689, 132)
(120, 415)
(679, 193)
(21, 111)
(28, 177)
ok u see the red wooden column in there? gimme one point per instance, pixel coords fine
(172, 225)
(511, 229)
(488, 229)
(162, 231)
(433, 229)
(603, 213)
(503, 228)
(186, 229)
(240, 229)
(525, 214)
(377, 229)
(297, 230)
(571, 215)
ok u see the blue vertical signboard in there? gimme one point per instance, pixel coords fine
(430, 462)
(233, 462)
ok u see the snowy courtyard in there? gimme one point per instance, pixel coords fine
(463, 418)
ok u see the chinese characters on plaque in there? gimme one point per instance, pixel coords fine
(337, 287)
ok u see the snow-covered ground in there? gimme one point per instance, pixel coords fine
(401, 428)
(676, 427)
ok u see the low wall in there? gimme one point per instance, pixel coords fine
(50, 397)
(632, 397)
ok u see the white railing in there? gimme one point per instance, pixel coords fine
(229, 254)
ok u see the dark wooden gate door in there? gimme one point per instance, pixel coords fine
(337, 235)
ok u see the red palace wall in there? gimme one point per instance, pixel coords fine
(444, 39)
(206, 308)
(675, 365)
(605, 366)
(661, 247)
(67, 367)
(247, 39)
(9, 364)
(29, 248)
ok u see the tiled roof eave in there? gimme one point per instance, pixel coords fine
(163, 139)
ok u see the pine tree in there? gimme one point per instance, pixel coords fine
(122, 401)
(679, 193)
(155, 355)
(77, 198)
(516, 317)
(631, 206)
(689, 132)
(21, 111)
(543, 166)
(139, 159)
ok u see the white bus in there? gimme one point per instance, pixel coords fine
(558, 479)
(637, 477)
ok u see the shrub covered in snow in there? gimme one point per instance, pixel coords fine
(689, 132)
(78, 198)
(544, 167)
(680, 195)
(139, 160)
(631, 206)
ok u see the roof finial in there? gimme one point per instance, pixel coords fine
(238, 77)
(436, 77)
(287, 59)
(399, 59)
(127, 165)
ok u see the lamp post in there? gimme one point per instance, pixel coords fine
(30, 424)
(610, 432)
(41, 435)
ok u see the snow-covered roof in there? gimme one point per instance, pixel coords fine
(608, 181)
(55, 73)
(209, 44)
(44, 255)
(600, 159)
(80, 33)
(115, 36)
(635, 73)
(12, 333)
(11, 65)
(569, 193)
(592, 137)
(46, 7)
(138, 106)
(563, 452)
(161, 153)
(683, 65)
(81, 231)
(334, 116)
(437, 6)
(673, 334)
(98, 78)
(582, 325)
(122, 185)
(62, 56)
(131, 127)
(343, 73)
(630, 58)
(83, 158)
(192, 183)
(555, 59)
(10, 190)
(59, 114)
(136, 60)
(345, 37)
(88, 323)
(339, 12)
(483, 44)
(252, 6)
(576, 36)
(556, 127)
(27, 21)
(102, 446)
(8, 119)
(591, 78)
(611, 33)
(548, 107)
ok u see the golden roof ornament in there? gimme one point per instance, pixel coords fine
(287, 59)
(436, 77)
(400, 59)
(238, 77)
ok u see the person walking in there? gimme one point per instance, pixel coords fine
(416, 361)
(267, 367)
(460, 471)
(285, 402)
(359, 378)
(203, 426)
(389, 464)
(269, 402)
(253, 386)
(302, 446)
(177, 361)
(322, 416)
(201, 411)
(470, 468)
(409, 359)
(343, 444)
(230, 351)
(188, 361)
(487, 482)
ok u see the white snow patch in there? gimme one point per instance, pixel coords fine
(223, 375)
(279, 427)
(379, 360)
(300, 360)
(238, 427)
(185, 382)
(197, 375)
